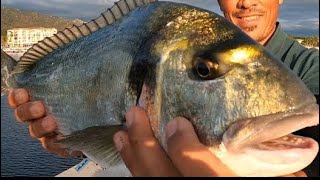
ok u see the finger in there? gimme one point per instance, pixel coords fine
(136, 120)
(190, 156)
(74, 153)
(136, 159)
(42, 127)
(29, 110)
(296, 174)
(121, 141)
(48, 143)
(77, 154)
(145, 146)
(17, 97)
(300, 174)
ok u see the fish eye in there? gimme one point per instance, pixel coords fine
(206, 69)
(203, 70)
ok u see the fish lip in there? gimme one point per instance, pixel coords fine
(290, 158)
(308, 116)
(271, 149)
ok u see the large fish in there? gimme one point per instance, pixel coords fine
(174, 60)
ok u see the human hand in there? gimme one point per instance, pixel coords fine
(296, 174)
(41, 125)
(144, 156)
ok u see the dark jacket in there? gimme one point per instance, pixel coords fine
(303, 61)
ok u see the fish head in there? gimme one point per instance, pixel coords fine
(243, 103)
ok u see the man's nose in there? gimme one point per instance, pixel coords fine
(245, 4)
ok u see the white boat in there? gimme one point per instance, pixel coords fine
(87, 168)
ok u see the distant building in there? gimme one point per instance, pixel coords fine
(21, 39)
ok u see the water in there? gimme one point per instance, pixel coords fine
(22, 155)
(302, 32)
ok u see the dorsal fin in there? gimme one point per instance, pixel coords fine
(61, 38)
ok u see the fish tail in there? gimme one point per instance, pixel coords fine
(7, 78)
(96, 143)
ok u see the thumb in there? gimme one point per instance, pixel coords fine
(180, 130)
(188, 154)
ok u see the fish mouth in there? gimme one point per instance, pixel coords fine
(269, 138)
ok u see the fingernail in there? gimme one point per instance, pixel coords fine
(129, 118)
(37, 109)
(118, 141)
(171, 128)
(20, 96)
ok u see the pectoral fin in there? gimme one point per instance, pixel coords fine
(96, 143)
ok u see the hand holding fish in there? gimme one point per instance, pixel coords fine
(186, 155)
(138, 140)
(143, 155)
(41, 125)
(138, 147)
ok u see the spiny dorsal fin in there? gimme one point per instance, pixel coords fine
(61, 38)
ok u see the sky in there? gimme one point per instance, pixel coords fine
(298, 17)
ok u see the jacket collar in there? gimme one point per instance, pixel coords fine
(277, 40)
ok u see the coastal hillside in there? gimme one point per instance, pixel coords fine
(15, 18)
(308, 41)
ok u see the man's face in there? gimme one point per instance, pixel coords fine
(255, 17)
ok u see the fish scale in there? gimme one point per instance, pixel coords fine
(99, 53)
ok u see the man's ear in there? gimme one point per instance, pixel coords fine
(280, 2)
(220, 5)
